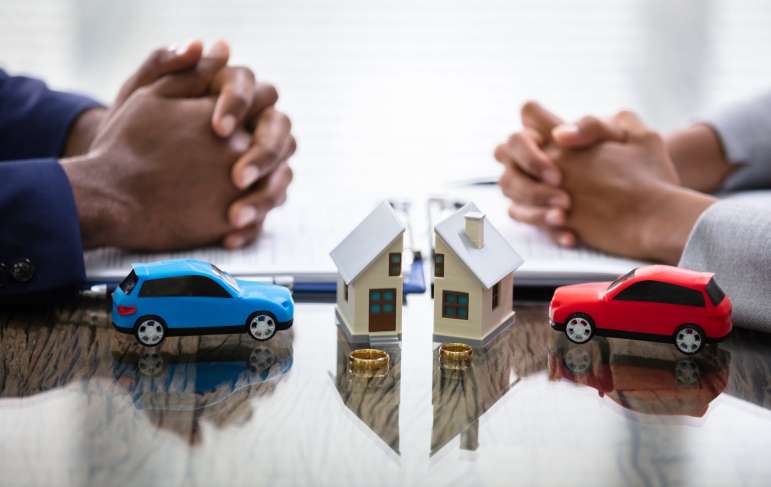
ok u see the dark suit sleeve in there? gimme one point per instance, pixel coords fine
(40, 234)
(34, 120)
(40, 246)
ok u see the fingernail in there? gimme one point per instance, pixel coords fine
(227, 124)
(241, 141)
(565, 129)
(551, 176)
(218, 50)
(234, 241)
(566, 240)
(245, 216)
(249, 175)
(560, 200)
(554, 217)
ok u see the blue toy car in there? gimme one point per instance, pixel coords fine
(193, 297)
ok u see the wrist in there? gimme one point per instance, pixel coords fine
(698, 156)
(670, 216)
(97, 210)
(83, 131)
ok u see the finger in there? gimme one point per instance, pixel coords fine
(562, 237)
(630, 122)
(265, 95)
(235, 87)
(267, 194)
(242, 237)
(523, 189)
(273, 131)
(587, 132)
(289, 149)
(195, 82)
(538, 118)
(522, 151)
(161, 62)
(537, 215)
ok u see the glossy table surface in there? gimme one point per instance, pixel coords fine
(83, 405)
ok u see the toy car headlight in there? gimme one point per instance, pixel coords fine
(287, 303)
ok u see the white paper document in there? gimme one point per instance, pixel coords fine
(295, 242)
(297, 238)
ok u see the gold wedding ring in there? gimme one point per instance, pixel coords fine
(455, 353)
(368, 359)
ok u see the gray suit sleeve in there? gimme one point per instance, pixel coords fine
(732, 238)
(745, 132)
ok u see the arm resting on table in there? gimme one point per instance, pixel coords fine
(733, 240)
(40, 247)
(744, 130)
(34, 120)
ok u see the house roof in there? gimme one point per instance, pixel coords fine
(172, 267)
(490, 263)
(367, 241)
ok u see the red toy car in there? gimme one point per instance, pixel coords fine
(658, 303)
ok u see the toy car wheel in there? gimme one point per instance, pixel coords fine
(579, 328)
(687, 372)
(689, 339)
(262, 326)
(150, 364)
(578, 360)
(150, 331)
(262, 358)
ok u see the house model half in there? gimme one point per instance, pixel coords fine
(370, 282)
(473, 277)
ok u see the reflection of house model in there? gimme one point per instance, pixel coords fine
(473, 277)
(369, 283)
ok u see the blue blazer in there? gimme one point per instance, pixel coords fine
(40, 246)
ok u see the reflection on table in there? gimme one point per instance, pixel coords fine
(462, 393)
(214, 382)
(175, 385)
(374, 396)
(644, 377)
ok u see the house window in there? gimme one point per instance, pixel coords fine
(345, 291)
(496, 292)
(438, 265)
(395, 264)
(455, 305)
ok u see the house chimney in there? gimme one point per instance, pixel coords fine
(475, 228)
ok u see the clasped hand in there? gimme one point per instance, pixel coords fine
(609, 183)
(192, 152)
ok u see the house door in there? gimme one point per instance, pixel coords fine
(382, 310)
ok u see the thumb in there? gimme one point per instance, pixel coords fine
(631, 123)
(539, 119)
(159, 63)
(587, 132)
(195, 82)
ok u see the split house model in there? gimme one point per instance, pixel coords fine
(370, 281)
(473, 277)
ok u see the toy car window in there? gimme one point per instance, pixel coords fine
(205, 287)
(621, 279)
(199, 286)
(165, 287)
(661, 292)
(128, 283)
(716, 295)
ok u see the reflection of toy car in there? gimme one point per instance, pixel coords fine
(639, 382)
(193, 297)
(659, 303)
(168, 381)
